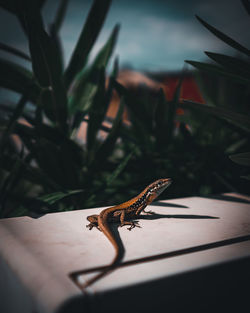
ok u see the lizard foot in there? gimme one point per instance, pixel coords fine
(93, 219)
(91, 225)
(148, 212)
(132, 224)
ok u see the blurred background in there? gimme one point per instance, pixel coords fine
(125, 118)
(156, 35)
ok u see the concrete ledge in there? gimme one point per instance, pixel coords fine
(190, 244)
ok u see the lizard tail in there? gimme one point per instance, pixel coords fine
(118, 256)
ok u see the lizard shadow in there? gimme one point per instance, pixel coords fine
(155, 216)
(114, 227)
(169, 205)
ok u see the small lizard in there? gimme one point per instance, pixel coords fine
(123, 213)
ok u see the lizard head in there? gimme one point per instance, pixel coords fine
(156, 188)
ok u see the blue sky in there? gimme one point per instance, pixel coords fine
(155, 35)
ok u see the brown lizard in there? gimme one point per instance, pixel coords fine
(123, 213)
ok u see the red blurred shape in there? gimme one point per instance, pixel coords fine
(189, 88)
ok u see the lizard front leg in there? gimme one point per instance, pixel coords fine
(141, 209)
(148, 212)
(132, 224)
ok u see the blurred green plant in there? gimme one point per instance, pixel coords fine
(53, 171)
(231, 105)
(190, 148)
(194, 148)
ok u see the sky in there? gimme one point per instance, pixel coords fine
(155, 35)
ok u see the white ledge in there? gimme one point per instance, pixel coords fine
(190, 234)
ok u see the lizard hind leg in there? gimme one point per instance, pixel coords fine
(132, 224)
(93, 219)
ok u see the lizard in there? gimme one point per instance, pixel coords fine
(123, 213)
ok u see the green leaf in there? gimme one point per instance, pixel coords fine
(47, 103)
(214, 69)
(99, 108)
(84, 92)
(54, 197)
(241, 158)
(237, 66)
(71, 166)
(115, 71)
(87, 82)
(104, 55)
(139, 133)
(17, 78)
(165, 116)
(59, 157)
(14, 51)
(161, 118)
(96, 114)
(224, 37)
(54, 30)
(119, 169)
(9, 109)
(87, 39)
(38, 40)
(107, 146)
(16, 114)
(38, 116)
(11, 6)
(60, 15)
(46, 65)
(172, 105)
(246, 4)
(20, 211)
(15, 7)
(34, 175)
(177, 93)
(246, 177)
(58, 50)
(48, 157)
(54, 136)
(240, 120)
(8, 184)
(140, 126)
(122, 91)
(49, 133)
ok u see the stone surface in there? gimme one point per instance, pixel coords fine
(188, 234)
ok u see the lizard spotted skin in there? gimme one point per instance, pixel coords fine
(124, 213)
